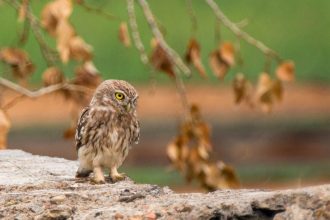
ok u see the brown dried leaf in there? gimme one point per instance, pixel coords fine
(19, 62)
(160, 60)
(53, 13)
(219, 176)
(219, 66)
(243, 89)
(22, 10)
(4, 128)
(85, 75)
(286, 71)
(190, 154)
(124, 35)
(264, 92)
(193, 56)
(71, 46)
(64, 34)
(177, 152)
(52, 76)
(278, 90)
(80, 50)
(227, 52)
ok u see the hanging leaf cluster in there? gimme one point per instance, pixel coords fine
(268, 90)
(55, 19)
(19, 62)
(190, 153)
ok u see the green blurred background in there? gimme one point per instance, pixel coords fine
(296, 29)
(286, 147)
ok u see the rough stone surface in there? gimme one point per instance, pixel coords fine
(38, 187)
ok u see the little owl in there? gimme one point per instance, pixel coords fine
(106, 130)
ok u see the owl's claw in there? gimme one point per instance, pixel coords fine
(118, 177)
(98, 176)
(82, 173)
(98, 181)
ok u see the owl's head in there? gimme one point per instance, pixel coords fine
(117, 94)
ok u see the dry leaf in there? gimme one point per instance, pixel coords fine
(286, 71)
(87, 75)
(70, 132)
(243, 89)
(64, 34)
(4, 128)
(218, 65)
(219, 176)
(194, 164)
(71, 46)
(190, 154)
(19, 62)
(264, 92)
(80, 50)
(177, 152)
(160, 60)
(227, 52)
(124, 35)
(52, 76)
(193, 56)
(55, 19)
(55, 12)
(22, 10)
(278, 90)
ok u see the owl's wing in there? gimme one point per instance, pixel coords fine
(81, 127)
(136, 134)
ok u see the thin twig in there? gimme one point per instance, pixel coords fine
(135, 32)
(24, 35)
(12, 102)
(175, 58)
(43, 91)
(192, 16)
(97, 11)
(46, 51)
(240, 33)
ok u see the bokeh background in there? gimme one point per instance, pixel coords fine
(288, 148)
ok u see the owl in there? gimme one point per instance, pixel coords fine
(106, 130)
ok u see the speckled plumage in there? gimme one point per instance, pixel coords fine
(106, 130)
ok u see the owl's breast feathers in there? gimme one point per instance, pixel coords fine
(100, 126)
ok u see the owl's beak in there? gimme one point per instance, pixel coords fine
(128, 107)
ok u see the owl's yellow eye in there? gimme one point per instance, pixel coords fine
(119, 96)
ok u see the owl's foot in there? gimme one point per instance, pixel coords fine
(83, 173)
(98, 181)
(98, 176)
(118, 177)
(115, 176)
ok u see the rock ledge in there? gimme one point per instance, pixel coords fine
(39, 187)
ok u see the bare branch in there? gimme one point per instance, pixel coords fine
(43, 91)
(192, 16)
(97, 11)
(135, 32)
(46, 51)
(240, 33)
(175, 58)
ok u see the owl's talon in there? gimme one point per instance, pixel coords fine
(83, 173)
(98, 175)
(98, 181)
(118, 177)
